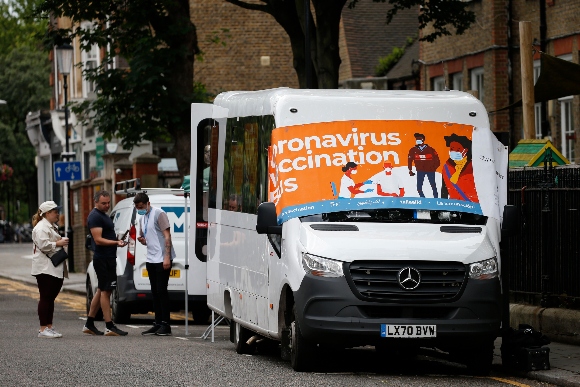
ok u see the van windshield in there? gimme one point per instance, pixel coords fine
(393, 215)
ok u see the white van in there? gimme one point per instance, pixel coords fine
(342, 218)
(133, 292)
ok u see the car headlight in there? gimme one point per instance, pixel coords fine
(483, 270)
(321, 267)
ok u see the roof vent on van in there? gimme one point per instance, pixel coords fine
(460, 230)
(333, 227)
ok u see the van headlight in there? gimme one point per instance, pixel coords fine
(321, 267)
(483, 270)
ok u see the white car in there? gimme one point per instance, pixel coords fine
(133, 294)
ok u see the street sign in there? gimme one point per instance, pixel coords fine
(67, 171)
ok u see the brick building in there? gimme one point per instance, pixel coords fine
(486, 59)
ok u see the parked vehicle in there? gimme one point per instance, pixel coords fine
(133, 292)
(341, 218)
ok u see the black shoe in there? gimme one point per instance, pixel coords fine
(152, 330)
(164, 330)
(114, 331)
(92, 330)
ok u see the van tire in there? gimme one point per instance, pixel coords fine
(89, 298)
(119, 312)
(302, 352)
(241, 335)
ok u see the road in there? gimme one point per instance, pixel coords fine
(82, 360)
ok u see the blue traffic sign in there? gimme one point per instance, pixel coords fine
(67, 171)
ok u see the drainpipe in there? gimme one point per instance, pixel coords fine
(510, 73)
(545, 123)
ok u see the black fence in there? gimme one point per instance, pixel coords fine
(544, 256)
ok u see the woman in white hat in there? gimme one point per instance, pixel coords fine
(47, 241)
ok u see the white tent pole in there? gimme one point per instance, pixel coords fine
(186, 231)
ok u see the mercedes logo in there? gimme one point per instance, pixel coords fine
(409, 278)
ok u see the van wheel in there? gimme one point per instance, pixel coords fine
(119, 312)
(241, 336)
(89, 297)
(302, 352)
(479, 358)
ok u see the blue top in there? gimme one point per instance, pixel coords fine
(100, 219)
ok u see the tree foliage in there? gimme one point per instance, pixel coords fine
(24, 74)
(152, 98)
(324, 23)
(386, 63)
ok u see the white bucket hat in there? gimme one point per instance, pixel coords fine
(47, 206)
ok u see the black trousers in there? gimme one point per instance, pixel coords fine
(159, 279)
(48, 287)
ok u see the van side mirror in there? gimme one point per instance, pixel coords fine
(510, 216)
(267, 220)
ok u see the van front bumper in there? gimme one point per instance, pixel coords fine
(329, 313)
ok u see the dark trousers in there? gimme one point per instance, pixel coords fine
(48, 287)
(421, 179)
(159, 279)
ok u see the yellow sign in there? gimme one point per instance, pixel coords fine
(175, 273)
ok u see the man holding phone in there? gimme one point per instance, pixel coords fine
(105, 243)
(155, 234)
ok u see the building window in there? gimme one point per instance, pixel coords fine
(538, 118)
(476, 76)
(458, 81)
(567, 120)
(438, 84)
(90, 61)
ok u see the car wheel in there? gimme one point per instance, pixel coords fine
(200, 314)
(302, 352)
(89, 297)
(119, 312)
(241, 336)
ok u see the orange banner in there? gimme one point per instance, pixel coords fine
(336, 166)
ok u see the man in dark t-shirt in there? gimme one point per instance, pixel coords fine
(105, 245)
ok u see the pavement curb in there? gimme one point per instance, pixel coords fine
(560, 325)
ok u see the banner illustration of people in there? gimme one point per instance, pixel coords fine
(353, 165)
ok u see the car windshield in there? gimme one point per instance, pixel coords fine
(393, 215)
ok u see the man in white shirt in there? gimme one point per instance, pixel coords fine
(387, 183)
(156, 235)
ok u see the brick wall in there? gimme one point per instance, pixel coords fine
(237, 66)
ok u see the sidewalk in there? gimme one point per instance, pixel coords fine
(15, 263)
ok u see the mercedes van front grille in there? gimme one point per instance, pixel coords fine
(406, 281)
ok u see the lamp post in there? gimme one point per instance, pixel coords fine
(64, 59)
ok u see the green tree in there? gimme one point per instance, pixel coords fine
(152, 99)
(440, 15)
(24, 73)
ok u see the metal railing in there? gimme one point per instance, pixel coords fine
(544, 257)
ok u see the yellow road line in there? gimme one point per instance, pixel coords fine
(75, 302)
(507, 381)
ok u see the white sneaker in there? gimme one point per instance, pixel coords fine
(48, 333)
(55, 332)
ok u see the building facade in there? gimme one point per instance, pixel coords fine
(486, 60)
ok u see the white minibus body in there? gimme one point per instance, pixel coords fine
(342, 218)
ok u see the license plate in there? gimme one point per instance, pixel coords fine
(172, 274)
(408, 331)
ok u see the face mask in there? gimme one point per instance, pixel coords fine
(353, 172)
(142, 212)
(455, 155)
(419, 142)
(388, 170)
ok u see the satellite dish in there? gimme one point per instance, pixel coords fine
(112, 147)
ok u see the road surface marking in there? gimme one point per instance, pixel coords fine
(507, 381)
